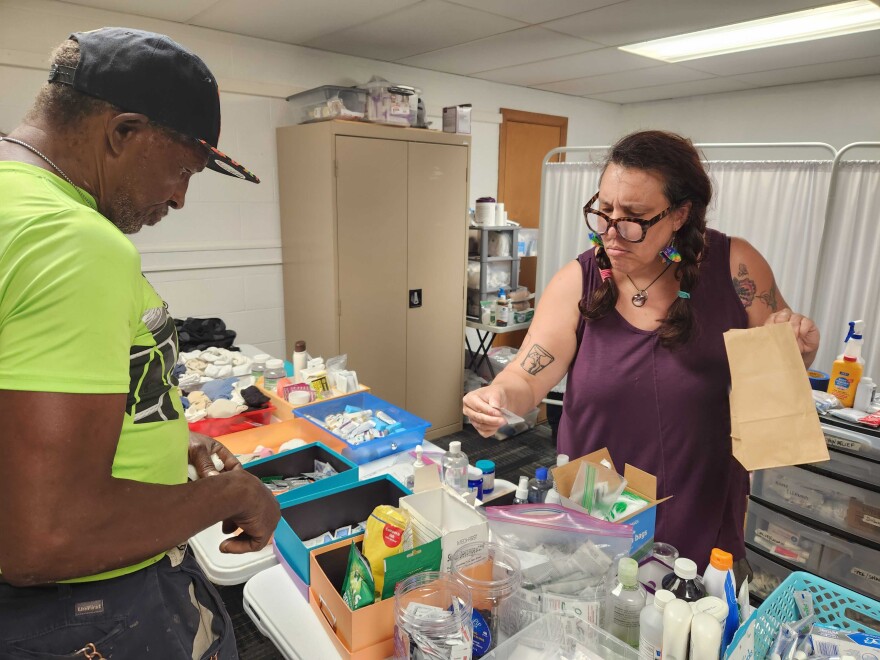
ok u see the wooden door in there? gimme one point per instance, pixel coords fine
(525, 139)
(371, 195)
(437, 249)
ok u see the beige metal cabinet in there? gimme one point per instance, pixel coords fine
(374, 244)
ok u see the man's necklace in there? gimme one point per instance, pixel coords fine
(54, 166)
(641, 295)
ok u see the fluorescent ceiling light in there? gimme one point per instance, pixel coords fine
(819, 23)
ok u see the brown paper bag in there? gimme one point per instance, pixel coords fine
(772, 415)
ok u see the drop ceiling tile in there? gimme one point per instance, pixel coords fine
(624, 80)
(168, 10)
(640, 20)
(867, 66)
(501, 50)
(293, 21)
(535, 11)
(659, 92)
(833, 49)
(421, 28)
(592, 63)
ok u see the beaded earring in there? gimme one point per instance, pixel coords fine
(595, 239)
(669, 254)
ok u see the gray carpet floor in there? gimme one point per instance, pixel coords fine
(519, 455)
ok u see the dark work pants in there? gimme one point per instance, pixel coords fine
(147, 614)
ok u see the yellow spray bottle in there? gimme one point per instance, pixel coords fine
(847, 370)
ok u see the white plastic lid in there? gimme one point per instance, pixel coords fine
(712, 605)
(662, 597)
(685, 568)
(455, 447)
(419, 462)
(261, 357)
(561, 460)
(522, 491)
(274, 363)
(474, 473)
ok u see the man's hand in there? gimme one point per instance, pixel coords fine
(200, 449)
(257, 518)
(805, 331)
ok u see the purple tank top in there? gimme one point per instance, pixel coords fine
(666, 411)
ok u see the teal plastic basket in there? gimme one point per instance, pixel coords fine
(834, 605)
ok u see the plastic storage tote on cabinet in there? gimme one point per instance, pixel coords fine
(387, 103)
(411, 432)
(767, 574)
(837, 504)
(329, 102)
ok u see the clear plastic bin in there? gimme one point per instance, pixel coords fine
(787, 539)
(329, 102)
(853, 467)
(767, 574)
(387, 103)
(853, 566)
(852, 438)
(834, 503)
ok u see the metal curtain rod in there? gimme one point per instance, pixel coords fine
(829, 204)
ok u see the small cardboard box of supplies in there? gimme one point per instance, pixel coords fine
(586, 481)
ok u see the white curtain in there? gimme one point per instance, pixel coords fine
(849, 286)
(778, 207)
(567, 187)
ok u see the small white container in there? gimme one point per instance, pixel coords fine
(651, 626)
(485, 214)
(274, 372)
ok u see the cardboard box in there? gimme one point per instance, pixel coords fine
(380, 651)
(284, 409)
(438, 512)
(638, 481)
(457, 119)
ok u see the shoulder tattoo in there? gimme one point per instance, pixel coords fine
(537, 359)
(770, 299)
(745, 286)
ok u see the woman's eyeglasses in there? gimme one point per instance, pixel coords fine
(633, 230)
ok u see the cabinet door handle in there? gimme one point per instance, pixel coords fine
(415, 298)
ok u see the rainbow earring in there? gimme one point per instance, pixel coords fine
(669, 254)
(595, 239)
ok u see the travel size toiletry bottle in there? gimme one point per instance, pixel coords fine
(502, 310)
(651, 626)
(538, 486)
(625, 603)
(684, 581)
(455, 467)
(522, 491)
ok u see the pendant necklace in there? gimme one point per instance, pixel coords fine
(54, 166)
(641, 295)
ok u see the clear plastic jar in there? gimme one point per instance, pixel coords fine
(274, 372)
(258, 364)
(432, 618)
(492, 574)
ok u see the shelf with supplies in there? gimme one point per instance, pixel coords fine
(493, 264)
(823, 518)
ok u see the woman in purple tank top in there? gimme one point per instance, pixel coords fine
(637, 322)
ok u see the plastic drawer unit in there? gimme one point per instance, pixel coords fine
(329, 510)
(410, 433)
(854, 439)
(787, 539)
(843, 506)
(853, 566)
(767, 574)
(851, 467)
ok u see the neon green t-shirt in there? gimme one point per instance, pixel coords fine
(77, 316)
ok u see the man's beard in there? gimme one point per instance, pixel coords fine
(127, 217)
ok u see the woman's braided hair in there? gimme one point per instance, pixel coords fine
(678, 163)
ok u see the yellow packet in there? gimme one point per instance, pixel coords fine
(384, 537)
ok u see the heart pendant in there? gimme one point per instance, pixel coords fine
(640, 299)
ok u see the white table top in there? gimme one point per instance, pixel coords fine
(498, 330)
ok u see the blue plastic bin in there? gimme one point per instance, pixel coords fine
(309, 517)
(412, 433)
(834, 606)
(302, 459)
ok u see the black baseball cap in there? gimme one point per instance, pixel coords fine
(153, 75)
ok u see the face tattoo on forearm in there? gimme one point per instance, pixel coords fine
(537, 359)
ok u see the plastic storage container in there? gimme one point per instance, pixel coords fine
(786, 538)
(767, 574)
(387, 103)
(852, 467)
(411, 434)
(853, 566)
(834, 606)
(432, 615)
(855, 439)
(242, 422)
(834, 503)
(272, 436)
(492, 574)
(329, 102)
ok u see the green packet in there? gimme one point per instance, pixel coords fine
(398, 567)
(358, 586)
(628, 503)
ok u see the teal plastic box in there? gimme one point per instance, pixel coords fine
(411, 433)
(302, 459)
(310, 517)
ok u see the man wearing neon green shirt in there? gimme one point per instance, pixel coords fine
(94, 498)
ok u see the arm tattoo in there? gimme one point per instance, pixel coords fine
(745, 286)
(769, 298)
(537, 359)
